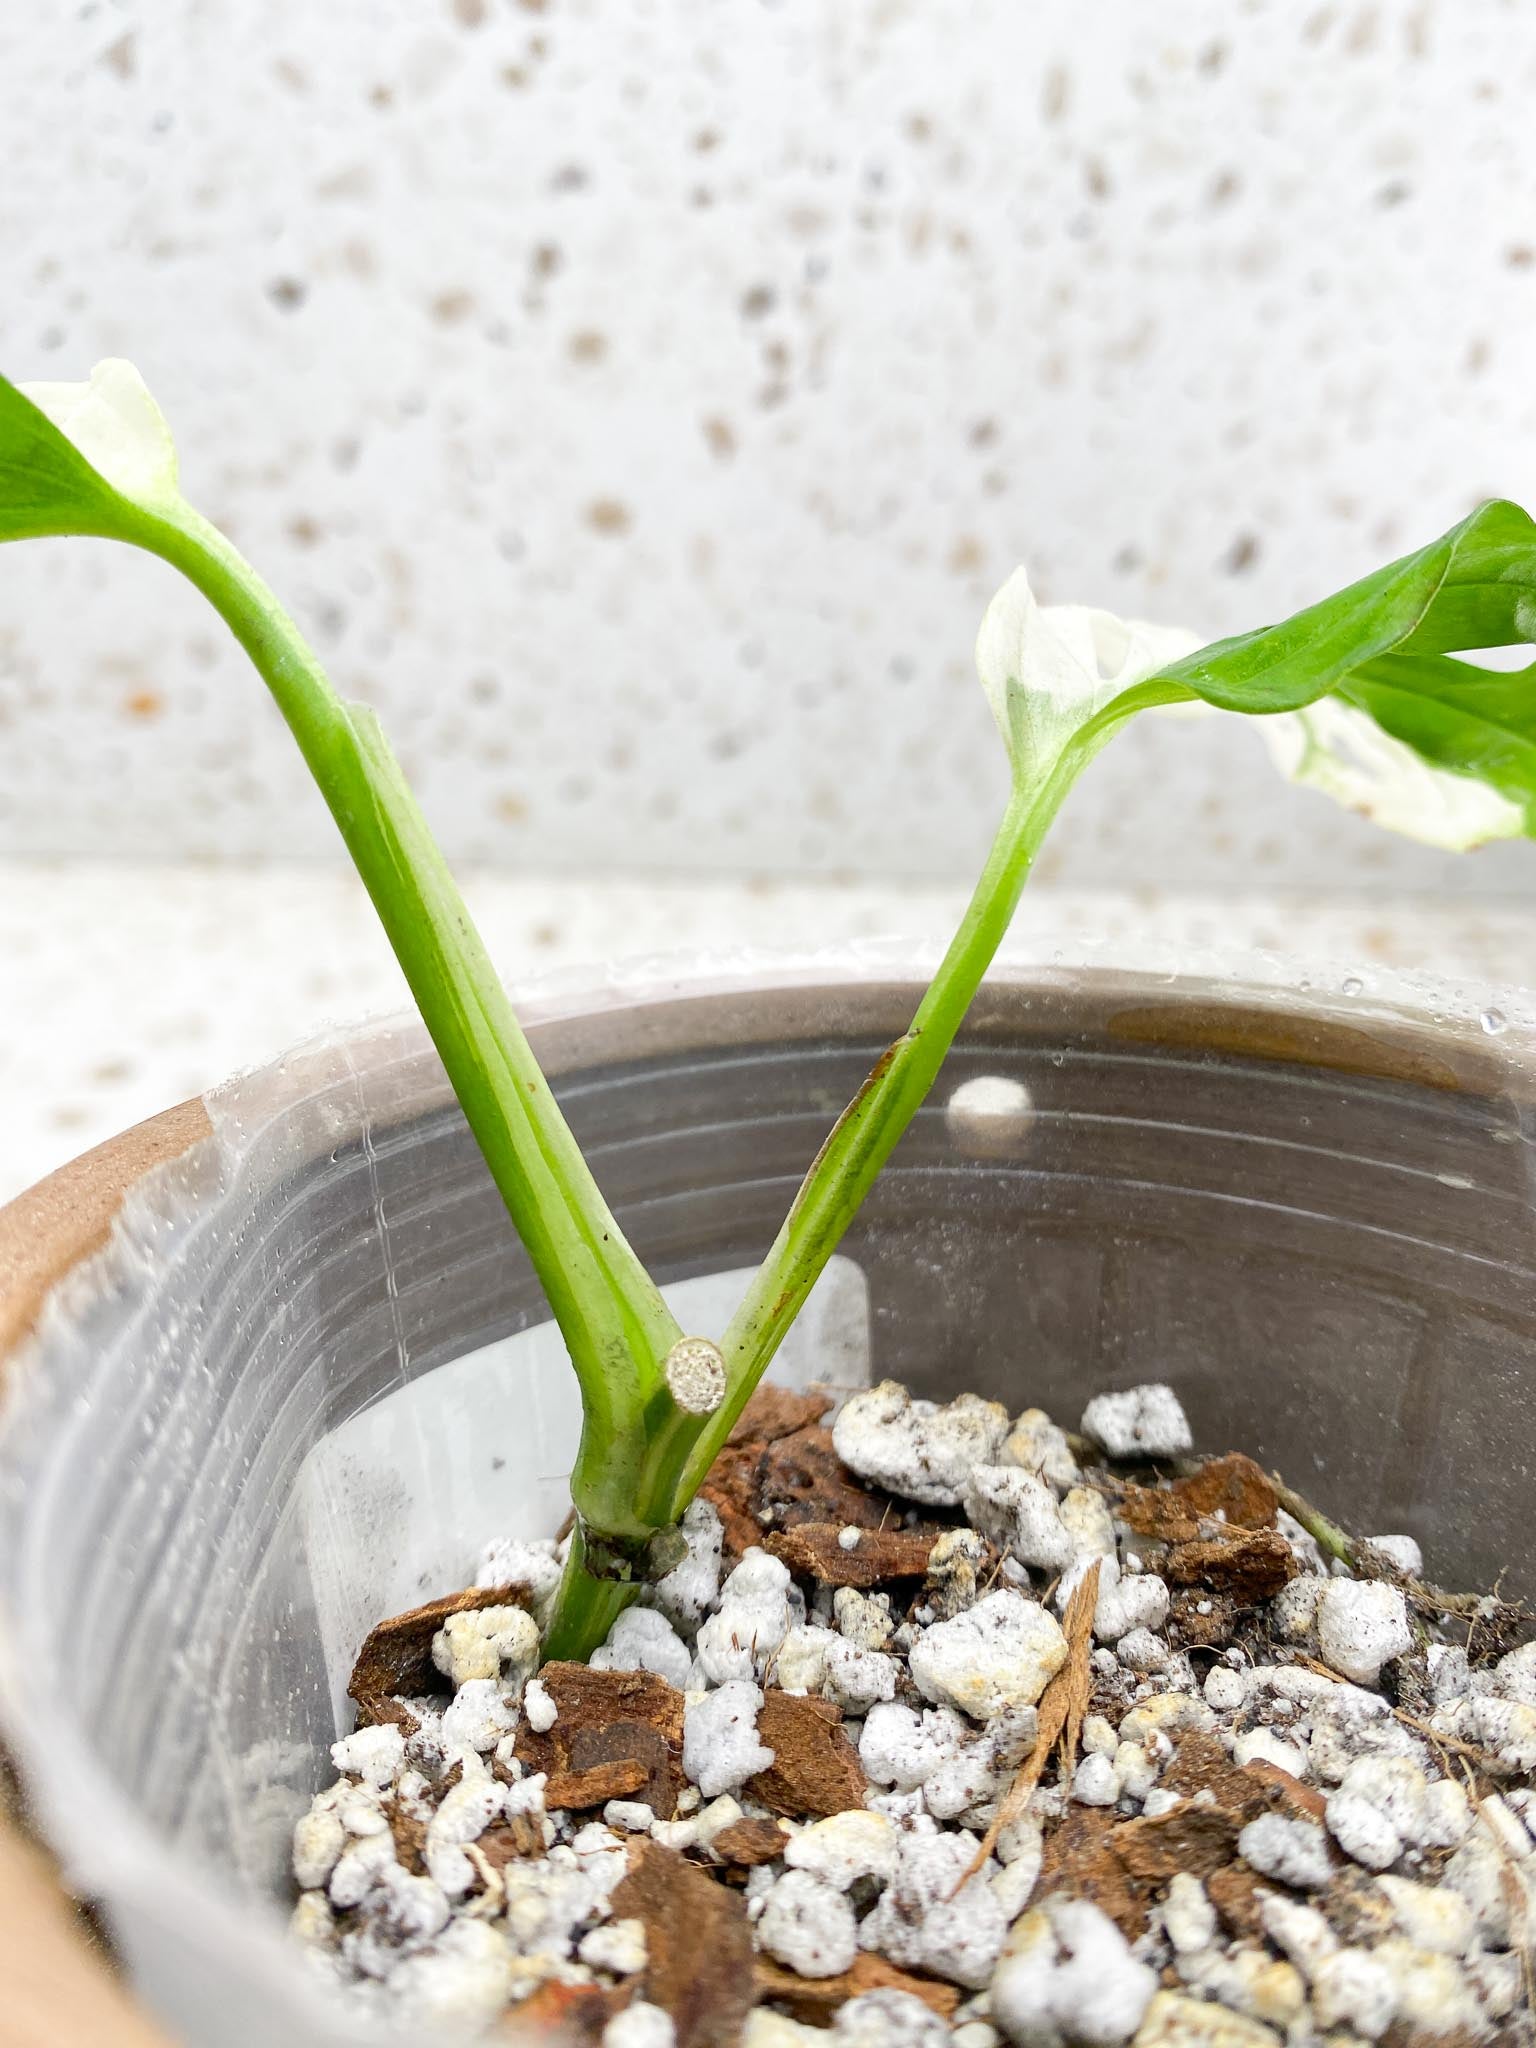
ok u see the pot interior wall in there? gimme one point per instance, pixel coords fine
(1333, 1267)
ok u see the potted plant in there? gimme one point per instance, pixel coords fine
(1366, 699)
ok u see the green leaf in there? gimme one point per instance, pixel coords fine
(1361, 697)
(1352, 755)
(88, 458)
(1487, 597)
(1434, 748)
(1471, 721)
(1475, 587)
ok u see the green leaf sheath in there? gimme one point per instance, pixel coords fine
(1474, 588)
(609, 1311)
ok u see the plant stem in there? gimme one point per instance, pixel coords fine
(1505, 1620)
(641, 1458)
(864, 1136)
(1326, 1535)
(586, 1605)
(612, 1316)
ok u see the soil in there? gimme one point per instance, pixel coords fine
(1197, 1779)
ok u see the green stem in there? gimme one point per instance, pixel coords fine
(864, 1136)
(585, 1607)
(612, 1316)
(641, 1458)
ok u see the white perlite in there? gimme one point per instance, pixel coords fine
(1353, 1988)
(998, 1654)
(844, 1848)
(487, 1642)
(1019, 1512)
(460, 1936)
(751, 1622)
(318, 1841)
(1096, 1782)
(1431, 1916)
(809, 1926)
(1504, 1726)
(478, 1716)
(690, 1589)
(372, 1754)
(919, 1449)
(1362, 1625)
(619, 1946)
(1263, 1745)
(902, 1748)
(1515, 1675)
(766, 2028)
(1402, 1550)
(1300, 1931)
(1176, 2021)
(1069, 1975)
(926, 1919)
(462, 1981)
(721, 1749)
(1087, 1520)
(1224, 1689)
(1189, 1918)
(640, 2025)
(1038, 1445)
(1142, 1422)
(539, 1710)
(511, 1562)
(642, 1639)
(1384, 1806)
(888, 2019)
(1126, 1603)
(1293, 1852)
(1294, 1608)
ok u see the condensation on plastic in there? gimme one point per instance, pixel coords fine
(175, 1592)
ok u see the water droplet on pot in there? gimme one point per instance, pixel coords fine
(1353, 985)
(1492, 1022)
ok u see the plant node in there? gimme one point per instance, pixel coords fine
(695, 1371)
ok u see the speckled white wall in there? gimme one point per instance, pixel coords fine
(639, 399)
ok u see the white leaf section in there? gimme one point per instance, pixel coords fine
(117, 426)
(1341, 751)
(1047, 669)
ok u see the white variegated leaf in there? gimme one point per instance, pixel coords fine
(1332, 747)
(116, 425)
(1047, 669)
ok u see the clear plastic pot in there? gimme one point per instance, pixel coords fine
(1312, 1215)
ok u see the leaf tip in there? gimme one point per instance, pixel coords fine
(113, 422)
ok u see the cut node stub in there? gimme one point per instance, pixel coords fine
(696, 1375)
